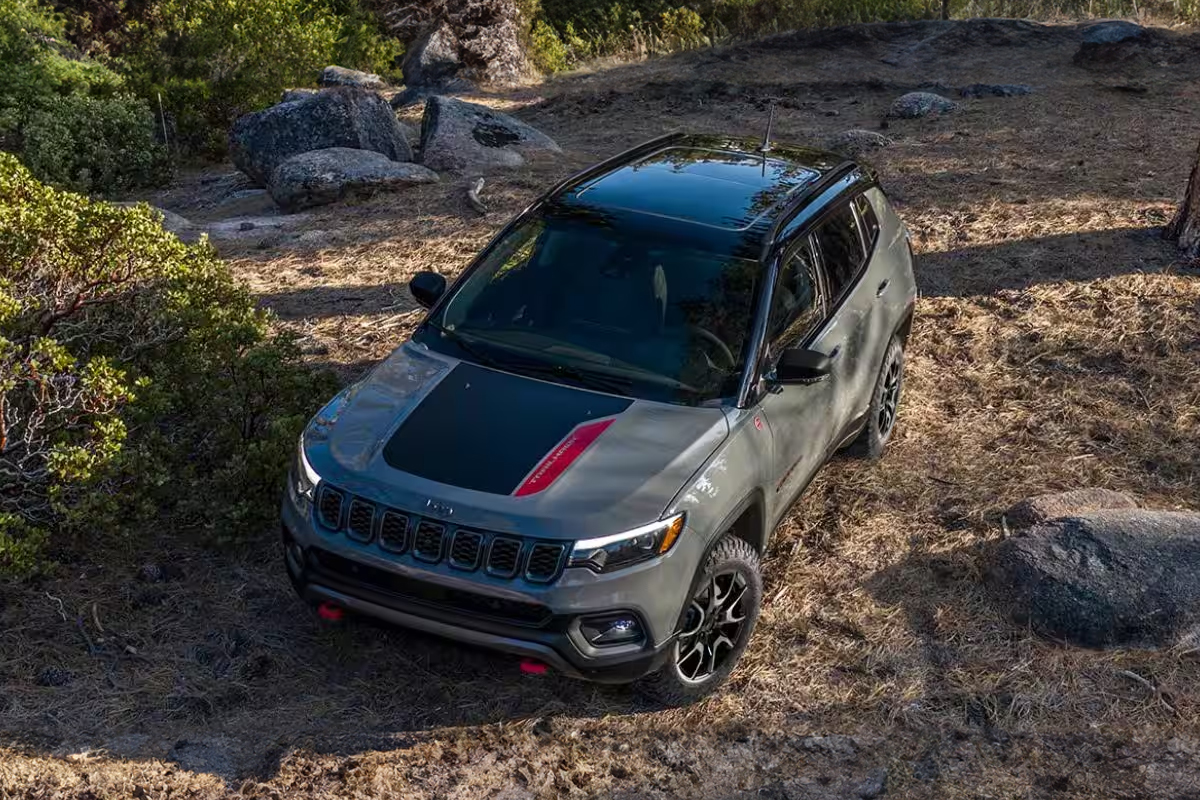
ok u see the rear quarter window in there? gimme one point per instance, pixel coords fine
(842, 249)
(869, 220)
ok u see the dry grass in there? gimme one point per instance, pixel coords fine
(1057, 346)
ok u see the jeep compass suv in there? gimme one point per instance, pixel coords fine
(581, 453)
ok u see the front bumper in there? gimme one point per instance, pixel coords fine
(539, 622)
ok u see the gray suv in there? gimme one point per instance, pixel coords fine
(580, 455)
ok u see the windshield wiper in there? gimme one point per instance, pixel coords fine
(466, 345)
(601, 382)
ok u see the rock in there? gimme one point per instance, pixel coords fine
(243, 203)
(185, 229)
(460, 46)
(344, 117)
(1111, 32)
(1042, 508)
(1121, 578)
(874, 785)
(921, 104)
(325, 176)
(857, 141)
(996, 90)
(432, 60)
(292, 95)
(456, 135)
(340, 76)
(241, 229)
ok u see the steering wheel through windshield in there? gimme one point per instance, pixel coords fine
(715, 341)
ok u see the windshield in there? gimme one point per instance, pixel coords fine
(574, 300)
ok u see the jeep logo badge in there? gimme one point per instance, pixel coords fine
(441, 509)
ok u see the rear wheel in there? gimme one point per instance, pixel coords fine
(885, 406)
(715, 626)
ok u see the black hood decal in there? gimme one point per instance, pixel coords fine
(486, 430)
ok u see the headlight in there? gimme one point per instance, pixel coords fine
(609, 553)
(304, 478)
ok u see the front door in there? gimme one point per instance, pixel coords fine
(799, 416)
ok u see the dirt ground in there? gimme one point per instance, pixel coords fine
(1057, 345)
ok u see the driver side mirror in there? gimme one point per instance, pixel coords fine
(427, 287)
(799, 365)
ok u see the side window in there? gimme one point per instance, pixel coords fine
(797, 305)
(841, 249)
(869, 220)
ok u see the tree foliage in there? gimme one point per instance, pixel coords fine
(66, 113)
(211, 61)
(138, 382)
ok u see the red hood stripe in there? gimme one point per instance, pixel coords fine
(563, 456)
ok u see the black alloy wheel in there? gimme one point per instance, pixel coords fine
(714, 627)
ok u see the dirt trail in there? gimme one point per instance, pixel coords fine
(1055, 339)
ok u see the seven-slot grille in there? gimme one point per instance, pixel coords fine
(432, 542)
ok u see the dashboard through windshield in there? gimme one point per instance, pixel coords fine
(577, 301)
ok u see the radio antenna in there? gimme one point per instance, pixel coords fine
(766, 142)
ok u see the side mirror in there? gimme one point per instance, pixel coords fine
(427, 287)
(803, 366)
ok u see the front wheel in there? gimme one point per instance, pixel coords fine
(715, 626)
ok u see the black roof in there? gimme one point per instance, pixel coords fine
(724, 190)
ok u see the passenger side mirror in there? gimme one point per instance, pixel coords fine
(799, 365)
(427, 287)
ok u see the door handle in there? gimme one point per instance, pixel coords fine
(883, 287)
(835, 352)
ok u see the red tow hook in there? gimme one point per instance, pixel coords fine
(330, 613)
(531, 667)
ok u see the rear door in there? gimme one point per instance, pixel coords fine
(849, 336)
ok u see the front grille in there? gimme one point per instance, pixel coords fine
(430, 541)
(338, 569)
(427, 545)
(329, 508)
(393, 532)
(544, 561)
(464, 553)
(360, 521)
(503, 557)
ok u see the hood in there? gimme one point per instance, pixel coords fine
(508, 452)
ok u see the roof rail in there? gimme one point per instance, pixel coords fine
(805, 196)
(618, 160)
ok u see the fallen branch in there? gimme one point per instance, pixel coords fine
(473, 195)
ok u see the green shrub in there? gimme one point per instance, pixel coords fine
(680, 29)
(214, 60)
(37, 64)
(546, 49)
(64, 113)
(138, 381)
(103, 145)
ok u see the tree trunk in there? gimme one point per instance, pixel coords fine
(1185, 228)
(945, 9)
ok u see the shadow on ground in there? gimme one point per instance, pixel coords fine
(1024, 263)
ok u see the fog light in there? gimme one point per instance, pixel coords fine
(611, 630)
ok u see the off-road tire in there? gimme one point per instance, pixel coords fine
(669, 686)
(885, 400)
